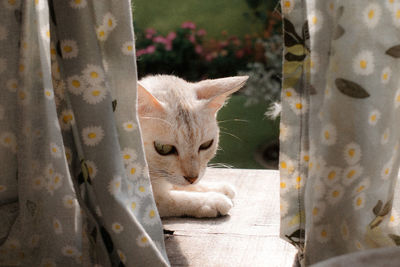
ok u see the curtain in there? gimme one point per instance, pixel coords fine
(339, 129)
(74, 186)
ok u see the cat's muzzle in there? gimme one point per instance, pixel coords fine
(191, 180)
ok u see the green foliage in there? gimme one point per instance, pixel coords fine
(214, 16)
(243, 130)
(264, 82)
(261, 11)
(172, 54)
(187, 53)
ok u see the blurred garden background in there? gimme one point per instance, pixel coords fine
(197, 40)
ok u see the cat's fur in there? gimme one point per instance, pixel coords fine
(183, 114)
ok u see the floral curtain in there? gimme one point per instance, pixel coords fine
(74, 187)
(340, 133)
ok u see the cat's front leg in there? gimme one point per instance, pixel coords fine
(194, 204)
(224, 188)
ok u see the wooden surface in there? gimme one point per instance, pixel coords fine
(248, 237)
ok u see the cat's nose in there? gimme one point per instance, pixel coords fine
(190, 179)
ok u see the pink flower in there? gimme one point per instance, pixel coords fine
(150, 49)
(165, 41)
(168, 46)
(223, 44)
(141, 52)
(237, 42)
(209, 57)
(160, 39)
(198, 49)
(192, 39)
(171, 36)
(150, 32)
(201, 32)
(240, 53)
(188, 25)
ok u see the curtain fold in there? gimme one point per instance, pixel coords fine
(74, 185)
(339, 156)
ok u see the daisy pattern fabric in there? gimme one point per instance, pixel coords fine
(74, 186)
(339, 129)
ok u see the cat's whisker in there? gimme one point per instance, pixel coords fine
(220, 165)
(156, 181)
(155, 118)
(159, 174)
(238, 138)
(238, 120)
(224, 130)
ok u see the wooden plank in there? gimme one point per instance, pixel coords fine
(249, 236)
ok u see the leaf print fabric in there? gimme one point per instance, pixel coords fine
(339, 132)
(74, 185)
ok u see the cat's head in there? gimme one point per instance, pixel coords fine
(179, 126)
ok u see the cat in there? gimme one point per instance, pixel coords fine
(180, 136)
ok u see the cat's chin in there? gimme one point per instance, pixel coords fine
(181, 181)
(184, 183)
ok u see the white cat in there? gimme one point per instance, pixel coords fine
(180, 135)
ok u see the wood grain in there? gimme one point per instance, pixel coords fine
(249, 236)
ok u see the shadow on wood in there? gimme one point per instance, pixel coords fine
(249, 236)
(174, 251)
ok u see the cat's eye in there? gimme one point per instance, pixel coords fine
(164, 150)
(206, 145)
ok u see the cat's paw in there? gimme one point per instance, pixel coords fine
(216, 204)
(228, 190)
(224, 188)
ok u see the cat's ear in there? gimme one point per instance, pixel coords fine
(216, 91)
(147, 103)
